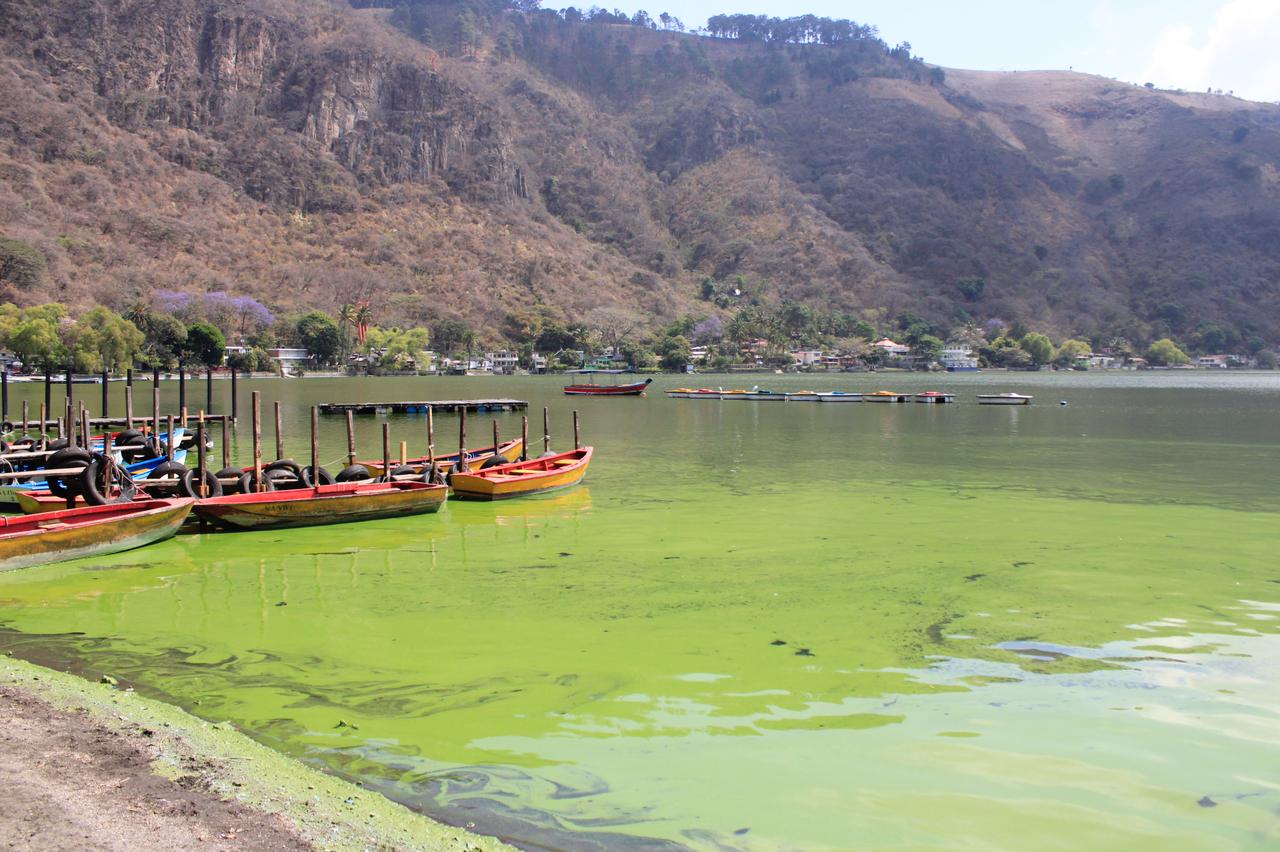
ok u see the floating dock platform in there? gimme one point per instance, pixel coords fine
(449, 406)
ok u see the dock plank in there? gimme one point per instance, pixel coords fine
(448, 406)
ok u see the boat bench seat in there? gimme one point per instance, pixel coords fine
(563, 462)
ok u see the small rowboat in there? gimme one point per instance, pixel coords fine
(508, 450)
(885, 396)
(18, 493)
(87, 531)
(839, 396)
(522, 478)
(802, 396)
(1004, 399)
(936, 397)
(325, 504)
(636, 389)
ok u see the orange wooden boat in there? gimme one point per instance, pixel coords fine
(324, 504)
(87, 531)
(519, 479)
(508, 450)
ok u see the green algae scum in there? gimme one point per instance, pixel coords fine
(760, 625)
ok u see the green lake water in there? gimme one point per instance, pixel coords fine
(758, 625)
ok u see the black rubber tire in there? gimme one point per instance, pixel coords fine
(492, 461)
(288, 465)
(403, 470)
(127, 436)
(6, 427)
(168, 470)
(309, 477)
(156, 447)
(433, 473)
(354, 473)
(189, 488)
(282, 479)
(66, 486)
(245, 484)
(96, 494)
(58, 444)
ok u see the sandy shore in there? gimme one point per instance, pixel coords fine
(89, 766)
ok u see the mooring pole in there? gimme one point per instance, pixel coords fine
(168, 441)
(155, 410)
(235, 409)
(68, 382)
(495, 439)
(431, 438)
(208, 390)
(128, 378)
(351, 439)
(315, 448)
(25, 411)
(106, 397)
(546, 431)
(48, 393)
(226, 448)
(524, 438)
(4, 403)
(386, 452)
(128, 406)
(576, 440)
(462, 440)
(279, 432)
(257, 442)
(182, 388)
(200, 457)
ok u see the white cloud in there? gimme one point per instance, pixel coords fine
(1238, 52)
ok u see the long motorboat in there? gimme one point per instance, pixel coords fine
(802, 396)
(325, 504)
(87, 531)
(886, 396)
(519, 479)
(680, 393)
(1004, 399)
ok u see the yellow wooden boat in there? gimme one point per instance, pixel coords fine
(508, 451)
(88, 531)
(519, 479)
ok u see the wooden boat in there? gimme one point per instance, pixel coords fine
(735, 394)
(87, 531)
(18, 493)
(936, 397)
(802, 396)
(705, 393)
(1004, 399)
(679, 393)
(325, 504)
(508, 450)
(839, 396)
(522, 478)
(885, 396)
(593, 389)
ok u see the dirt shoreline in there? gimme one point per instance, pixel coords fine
(90, 766)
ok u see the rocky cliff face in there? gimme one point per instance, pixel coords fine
(524, 166)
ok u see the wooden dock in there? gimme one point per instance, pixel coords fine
(450, 406)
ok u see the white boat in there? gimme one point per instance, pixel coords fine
(935, 397)
(704, 393)
(679, 393)
(802, 396)
(735, 394)
(839, 396)
(1004, 399)
(886, 396)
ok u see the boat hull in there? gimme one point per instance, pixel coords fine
(1004, 400)
(839, 397)
(802, 397)
(328, 504)
(636, 389)
(935, 398)
(522, 479)
(886, 397)
(89, 531)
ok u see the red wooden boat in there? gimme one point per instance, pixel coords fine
(324, 504)
(636, 389)
(87, 531)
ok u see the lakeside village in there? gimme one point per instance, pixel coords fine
(216, 331)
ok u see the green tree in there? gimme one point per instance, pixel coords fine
(674, 353)
(1071, 351)
(1165, 353)
(103, 340)
(1039, 347)
(36, 337)
(927, 347)
(164, 337)
(319, 335)
(205, 344)
(20, 264)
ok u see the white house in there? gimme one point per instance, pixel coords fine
(504, 362)
(1103, 361)
(1214, 362)
(892, 349)
(287, 358)
(958, 358)
(806, 357)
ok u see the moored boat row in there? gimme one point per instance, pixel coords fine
(883, 396)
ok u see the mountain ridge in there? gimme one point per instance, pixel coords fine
(520, 168)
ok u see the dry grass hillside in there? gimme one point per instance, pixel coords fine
(465, 160)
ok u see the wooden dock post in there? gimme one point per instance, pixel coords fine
(67, 423)
(576, 438)
(128, 378)
(48, 395)
(496, 452)
(462, 442)
(404, 452)
(25, 417)
(279, 432)
(128, 406)
(155, 409)
(208, 389)
(183, 414)
(386, 451)
(4, 403)
(226, 448)
(524, 438)
(235, 408)
(106, 397)
(257, 442)
(168, 444)
(431, 438)
(182, 388)
(69, 394)
(315, 448)
(203, 488)
(351, 440)
(546, 431)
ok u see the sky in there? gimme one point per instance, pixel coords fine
(1233, 45)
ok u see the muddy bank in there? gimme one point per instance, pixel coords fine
(88, 766)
